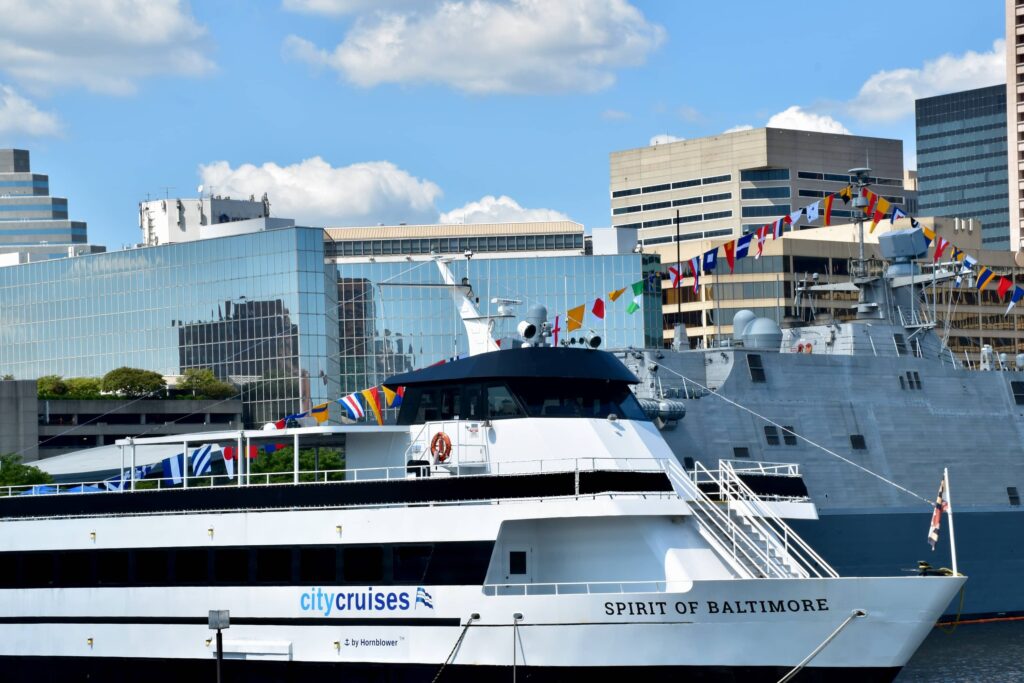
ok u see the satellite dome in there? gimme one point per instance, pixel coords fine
(740, 321)
(763, 333)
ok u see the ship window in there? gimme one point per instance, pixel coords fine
(755, 367)
(363, 564)
(151, 567)
(317, 565)
(410, 562)
(543, 398)
(112, 567)
(517, 562)
(1018, 392)
(788, 437)
(501, 404)
(37, 569)
(190, 566)
(1011, 492)
(771, 435)
(75, 568)
(274, 565)
(9, 571)
(903, 385)
(231, 565)
(430, 404)
(915, 378)
(740, 452)
(857, 442)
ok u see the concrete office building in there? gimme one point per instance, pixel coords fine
(961, 159)
(174, 220)
(733, 183)
(33, 224)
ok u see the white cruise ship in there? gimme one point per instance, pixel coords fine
(548, 533)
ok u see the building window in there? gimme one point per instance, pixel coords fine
(686, 183)
(755, 367)
(517, 562)
(788, 435)
(1018, 392)
(686, 202)
(771, 435)
(837, 178)
(810, 193)
(717, 214)
(657, 188)
(765, 174)
(761, 211)
(1013, 495)
(807, 175)
(711, 180)
(625, 193)
(765, 193)
(857, 442)
(625, 209)
(740, 452)
(657, 205)
(690, 219)
(717, 197)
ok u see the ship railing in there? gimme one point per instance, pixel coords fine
(748, 558)
(769, 525)
(325, 476)
(582, 587)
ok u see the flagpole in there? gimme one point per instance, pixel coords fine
(679, 265)
(949, 515)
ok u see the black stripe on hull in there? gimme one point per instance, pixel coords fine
(93, 670)
(241, 621)
(351, 493)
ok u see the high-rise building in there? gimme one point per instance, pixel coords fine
(31, 220)
(961, 160)
(729, 184)
(1015, 117)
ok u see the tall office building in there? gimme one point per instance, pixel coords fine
(1015, 117)
(961, 159)
(734, 183)
(29, 215)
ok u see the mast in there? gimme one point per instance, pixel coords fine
(860, 202)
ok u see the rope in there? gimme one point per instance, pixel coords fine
(814, 653)
(949, 627)
(455, 647)
(798, 436)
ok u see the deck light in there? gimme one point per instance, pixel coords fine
(210, 532)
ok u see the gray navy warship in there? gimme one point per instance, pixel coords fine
(882, 392)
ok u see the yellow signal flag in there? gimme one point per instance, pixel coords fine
(575, 316)
(616, 294)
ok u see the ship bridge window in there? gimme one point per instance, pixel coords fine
(501, 404)
(1013, 495)
(1018, 392)
(550, 398)
(857, 442)
(771, 435)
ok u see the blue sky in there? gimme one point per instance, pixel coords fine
(354, 112)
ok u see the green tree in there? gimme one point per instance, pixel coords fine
(201, 383)
(83, 388)
(51, 386)
(14, 473)
(282, 461)
(133, 382)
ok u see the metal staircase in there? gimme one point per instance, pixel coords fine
(743, 529)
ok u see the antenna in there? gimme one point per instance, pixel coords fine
(167, 190)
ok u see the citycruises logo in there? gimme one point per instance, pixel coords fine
(365, 600)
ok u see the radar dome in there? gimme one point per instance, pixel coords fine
(763, 333)
(740, 322)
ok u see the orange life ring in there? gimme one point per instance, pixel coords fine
(440, 447)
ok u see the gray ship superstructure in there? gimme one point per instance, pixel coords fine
(864, 407)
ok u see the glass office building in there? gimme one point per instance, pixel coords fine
(396, 316)
(961, 160)
(258, 309)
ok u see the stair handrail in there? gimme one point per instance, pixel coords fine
(794, 545)
(724, 531)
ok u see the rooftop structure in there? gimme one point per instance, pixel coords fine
(961, 153)
(167, 221)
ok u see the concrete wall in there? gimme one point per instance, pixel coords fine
(19, 426)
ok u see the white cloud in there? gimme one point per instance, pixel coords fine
(796, 118)
(614, 115)
(890, 95)
(19, 115)
(664, 139)
(737, 129)
(313, 191)
(487, 46)
(503, 209)
(104, 45)
(341, 7)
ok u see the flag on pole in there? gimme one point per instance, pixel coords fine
(676, 272)
(320, 413)
(1017, 295)
(614, 296)
(897, 213)
(828, 209)
(1004, 286)
(710, 259)
(928, 233)
(228, 455)
(372, 398)
(598, 308)
(574, 317)
(393, 397)
(812, 211)
(777, 229)
(940, 507)
(762, 235)
(638, 297)
(730, 254)
(940, 246)
(173, 467)
(695, 270)
(881, 209)
(556, 329)
(794, 217)
(352, 406)
(985, 278)
(202, 460)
